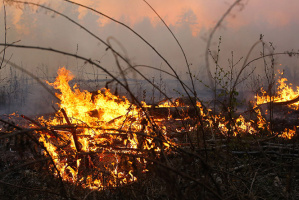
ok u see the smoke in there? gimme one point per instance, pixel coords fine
(36, 26)
(190, 20)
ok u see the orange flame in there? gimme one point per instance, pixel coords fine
(94, 131)
(284, 93)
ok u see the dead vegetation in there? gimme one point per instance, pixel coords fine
(185, 149)
(245, 167)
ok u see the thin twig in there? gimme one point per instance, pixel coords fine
(5, 35)
(211, 37)
(11, 169)
(32, 189)
(177, 41)
(29, 73)
(43, 147)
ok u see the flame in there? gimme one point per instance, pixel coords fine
(284, 93)
(288, 133)
(236, 127)
(93, 131)
(98, 140)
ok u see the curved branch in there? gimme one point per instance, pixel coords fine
(138, 35)
(177, 41)
(92, 34)
(211, 36)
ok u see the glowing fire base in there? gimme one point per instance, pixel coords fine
(96, 140)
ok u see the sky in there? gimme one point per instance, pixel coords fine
(190, 20)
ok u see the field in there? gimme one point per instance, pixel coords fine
(116, 136)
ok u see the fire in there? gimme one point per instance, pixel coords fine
(284, 93)
(288, 133)
(90, 134)
(98, 140)
(88, 108)
(236, 127)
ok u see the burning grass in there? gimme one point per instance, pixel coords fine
(101, 142)
(101, 146)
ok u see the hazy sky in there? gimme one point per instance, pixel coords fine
(190, 20)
